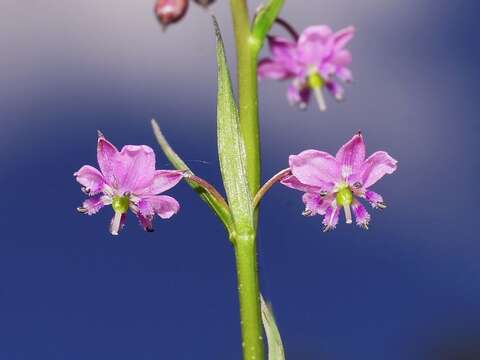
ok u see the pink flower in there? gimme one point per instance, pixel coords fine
(128, 180)
(312, 61)
(334, 182)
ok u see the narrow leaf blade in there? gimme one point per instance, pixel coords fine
(275, 345)
(264, 21)
(231, 149)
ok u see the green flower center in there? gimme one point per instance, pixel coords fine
(120, 204)
(344, 197)
(315, 81)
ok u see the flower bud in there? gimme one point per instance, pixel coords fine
(170, 11)
(204, 3)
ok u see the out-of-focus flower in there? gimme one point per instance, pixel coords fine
(313, 62)
(128, 180)
(331, 182)
(170, 11)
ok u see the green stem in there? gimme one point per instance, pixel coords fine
(247, 53)
(245, 245)
(249, 293)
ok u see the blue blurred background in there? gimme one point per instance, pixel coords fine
(406, 289)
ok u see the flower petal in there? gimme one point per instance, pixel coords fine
(336, 89)
(375, 199)
(285, 53)
(341, 60)
(375, 167)
(146, 221)
(162, 205)
(271, 69)
(282, 48)
(345, 75)
(163, 180)
(107, 157)
(315, 33)
(292, 182)
(326, 70)
(315, 204)
(351, 155)
(137, 168)
(315, 44)
(330, 220)
(362, 216)
(298, 94)
(315, 168)
(343, 36)
(93, 205)
(130, 170)
(91, 179)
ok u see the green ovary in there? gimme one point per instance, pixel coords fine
(120, 204)
(344, 197)
(315, 81)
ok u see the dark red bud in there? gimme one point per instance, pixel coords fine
(204, 3)
(170, 11)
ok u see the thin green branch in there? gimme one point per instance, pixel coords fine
(213, 200)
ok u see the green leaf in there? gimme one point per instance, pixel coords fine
(231, 149)
(275, 345)
(207, 194)
(264, 20)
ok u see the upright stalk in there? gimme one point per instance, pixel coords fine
(245, 243)
(247, 53)
(249, 293)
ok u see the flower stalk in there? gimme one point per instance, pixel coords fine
(264, 189)
(207, 187)
(288, 28)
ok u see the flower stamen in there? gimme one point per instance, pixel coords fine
(115, 228)
(330, 225)
(348, 213)
(357, 185)
(320, 99)
(307, 212)
(381, 205)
